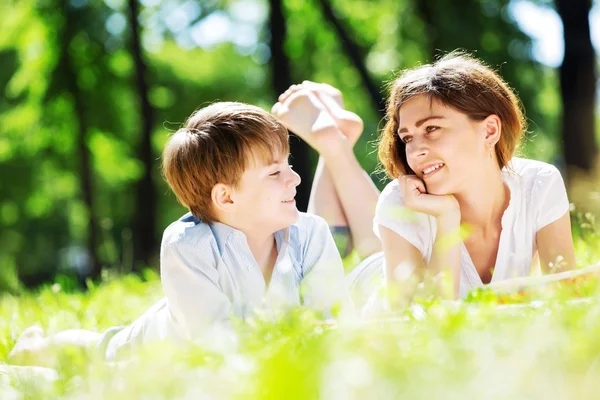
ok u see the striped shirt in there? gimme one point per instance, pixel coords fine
(208, 274)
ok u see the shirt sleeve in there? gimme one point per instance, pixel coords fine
(323, 285)
(392, 214)
(190, 282)
(550, 195)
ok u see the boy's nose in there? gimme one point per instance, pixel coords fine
(295, 179)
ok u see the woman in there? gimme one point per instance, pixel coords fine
(452, 128)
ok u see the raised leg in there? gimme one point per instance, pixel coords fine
(342, 191)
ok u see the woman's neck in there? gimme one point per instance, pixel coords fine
(482, 205)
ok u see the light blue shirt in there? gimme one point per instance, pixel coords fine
(209, 274)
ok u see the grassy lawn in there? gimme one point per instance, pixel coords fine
(542, 345)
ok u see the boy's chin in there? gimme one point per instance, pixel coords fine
(293, 218)
(289, 218)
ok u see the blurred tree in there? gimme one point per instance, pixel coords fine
(66, 68)
(355, 54)
(125, 97)
(145, 243)
(578, 85)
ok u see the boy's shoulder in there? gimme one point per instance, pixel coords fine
(309, 222)
(308, 227)
(187, 230)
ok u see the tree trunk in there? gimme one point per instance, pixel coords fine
(86, 176)
(578, 85)
(282, 79)
(144, 237)
(356, 55)
(431, 40)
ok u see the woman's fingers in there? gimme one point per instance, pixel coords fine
(416, 198)
(411, 187)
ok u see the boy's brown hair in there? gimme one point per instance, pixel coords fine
(216, 145)
(463, 83)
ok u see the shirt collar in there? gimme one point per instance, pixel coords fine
(223, 232)
(282, 237)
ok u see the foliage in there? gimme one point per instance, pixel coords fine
(485, 347)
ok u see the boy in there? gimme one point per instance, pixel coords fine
(243, 246)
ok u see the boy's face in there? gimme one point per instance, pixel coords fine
(264, 198)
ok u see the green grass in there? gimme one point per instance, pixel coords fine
(542, 345)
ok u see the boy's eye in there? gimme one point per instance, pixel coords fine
(276, 173)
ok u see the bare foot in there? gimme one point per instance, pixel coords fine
(349, 123)
(31, 348)
(305, 115)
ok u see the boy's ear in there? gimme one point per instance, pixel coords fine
(221, 197)
(493, 129)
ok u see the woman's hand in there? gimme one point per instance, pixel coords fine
(416, 198)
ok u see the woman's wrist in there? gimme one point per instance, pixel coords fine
(448, 220)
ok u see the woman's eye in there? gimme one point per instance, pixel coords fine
(431, 128)
(406, 139)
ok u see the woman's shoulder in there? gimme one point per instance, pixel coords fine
(530, 169)
(391, 194)
(391, 206)
(541, 184)
(532, 174)
(415, 227)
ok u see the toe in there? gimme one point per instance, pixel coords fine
(32, 332)
(275, 110)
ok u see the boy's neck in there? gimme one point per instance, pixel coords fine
(264, 249)
(261, 243)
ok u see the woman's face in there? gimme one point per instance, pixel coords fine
(444, 147)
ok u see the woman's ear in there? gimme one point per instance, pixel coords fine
(493, 129)
(221, 197)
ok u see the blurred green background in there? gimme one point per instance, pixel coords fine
(91, 89)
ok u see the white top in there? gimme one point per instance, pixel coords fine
(208, 275)
(537, 198)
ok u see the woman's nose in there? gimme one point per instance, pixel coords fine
(417, 148)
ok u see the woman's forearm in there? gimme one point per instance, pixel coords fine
(445, 257)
